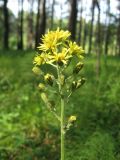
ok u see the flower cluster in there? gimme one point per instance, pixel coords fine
(57, 51)
(52, 50)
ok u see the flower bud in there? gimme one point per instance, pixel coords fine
(49, 79)
(38, 60)
(78, 67)
(41, 87)
(72, 119)
(36, 70)
(74, 85)
(80, 82)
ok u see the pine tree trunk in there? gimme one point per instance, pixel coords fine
(52, 14)
(80, 25)
(43, 21)
(84, 35)
(85, 30)
(61, 14)
(30, 24)
(98, 41)
(37, 25)
(20, 26)
(91, 27)
(119, 38)
(118, 30)
(73, 18)
(6, 25)
(107, 32)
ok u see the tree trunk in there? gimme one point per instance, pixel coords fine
(84, 35)
(118, 29)
(91, 27)
(43, 21)
(37, 25)
(98, 41)
(73, 18)
(52, 14)
(80, 24)
(61, 14)
(119, 37)
(20, 27)
(30, 24)
(107, 32)
(6, 25)
(85, 30)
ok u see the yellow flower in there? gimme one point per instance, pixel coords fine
(61, 58)
(48, 45)
(62, 35)
(74, 49)
(56, 48)
(52, 39)
(36, 70)
(72, 119)
(38, 60)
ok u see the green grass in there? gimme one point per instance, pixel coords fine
(28, 131)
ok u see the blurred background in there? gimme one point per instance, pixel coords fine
(93, 23)
(27, 130)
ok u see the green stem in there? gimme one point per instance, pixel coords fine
(62, 115)
(62, 129)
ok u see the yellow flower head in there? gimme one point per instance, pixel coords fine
(38, 60)
(53, 39)
(61, 35)
(61, 58)
(48, 45)
(57, 49)
(72, 119)
(75, 49)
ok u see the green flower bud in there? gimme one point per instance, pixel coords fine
(78, 67)
(49, 79)
(74, 85)
(41, 87)
(80, 82)
(72, 119)
(45, 99)
(36, 70)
